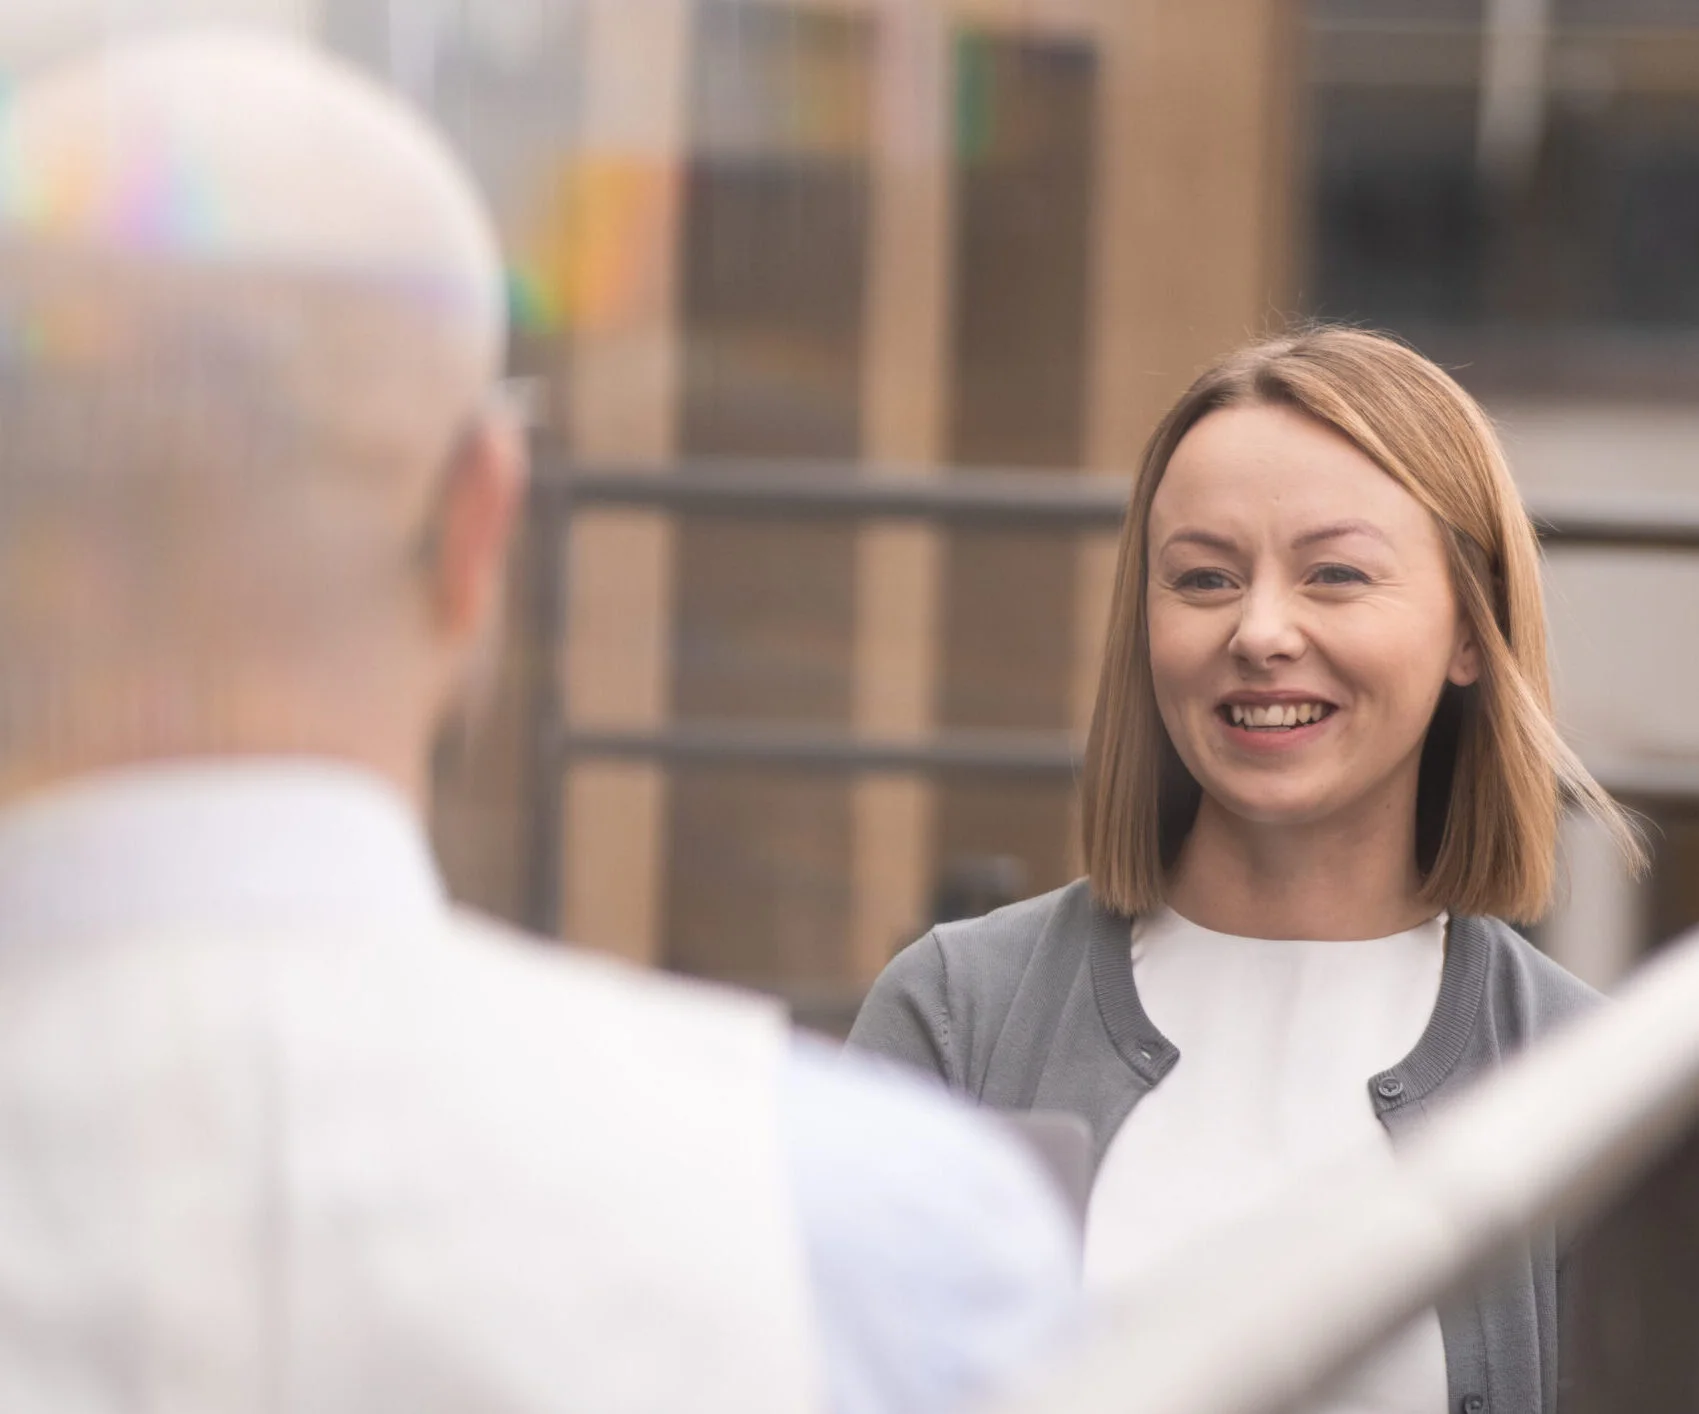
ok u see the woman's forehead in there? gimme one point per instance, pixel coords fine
(1263, 468)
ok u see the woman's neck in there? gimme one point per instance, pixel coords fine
(1341, 879)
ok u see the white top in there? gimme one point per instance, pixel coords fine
(1277, 1042)
(287, 1134)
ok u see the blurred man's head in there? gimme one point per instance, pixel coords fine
(254, 487)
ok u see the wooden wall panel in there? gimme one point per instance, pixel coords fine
(774, 255)
(623, 413)
(1026, 114)
(898, 567)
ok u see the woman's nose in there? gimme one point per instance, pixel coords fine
(1267, 631)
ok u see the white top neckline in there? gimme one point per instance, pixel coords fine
(1277, 1040)
(1165, 920)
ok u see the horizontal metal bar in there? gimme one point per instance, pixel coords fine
(785, 745)
(1018, 753)
(1059, 501)
(1629, 522)
(1651, 781)
(1027, 500)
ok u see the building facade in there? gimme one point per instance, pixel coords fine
(927, 237)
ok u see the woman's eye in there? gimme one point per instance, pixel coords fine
(1204, 579)
(1339, 574)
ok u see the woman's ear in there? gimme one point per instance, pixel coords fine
(1465, 665)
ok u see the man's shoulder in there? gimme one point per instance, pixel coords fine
(535, 970)
(573, 1144)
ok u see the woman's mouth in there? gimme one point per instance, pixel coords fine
(1274, 716)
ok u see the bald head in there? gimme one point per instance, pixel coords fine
(248, 152)
(250, 313)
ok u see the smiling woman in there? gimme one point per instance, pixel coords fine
(1397, 509)
(1302, 628)
(1321, 771)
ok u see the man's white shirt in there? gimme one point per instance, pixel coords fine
(287, 1133)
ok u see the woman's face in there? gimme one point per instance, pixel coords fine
(1302, 620)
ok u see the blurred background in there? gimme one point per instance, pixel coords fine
(865, 250)
(877, 246)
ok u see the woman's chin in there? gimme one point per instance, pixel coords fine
(1267, 804)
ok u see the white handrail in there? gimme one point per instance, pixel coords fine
(1265, 1316)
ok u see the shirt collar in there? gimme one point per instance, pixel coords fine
(219, 844)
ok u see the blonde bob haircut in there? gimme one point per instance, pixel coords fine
(1495, 774)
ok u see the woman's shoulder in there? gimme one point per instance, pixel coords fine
(942, 1001)
(981, 962)
(1012, 932)
(1524, 990)
(1037, 946)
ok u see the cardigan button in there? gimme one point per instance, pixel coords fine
(1390, 1087)
(1474, 1404)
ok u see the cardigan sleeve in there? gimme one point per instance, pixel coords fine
(906, 1016)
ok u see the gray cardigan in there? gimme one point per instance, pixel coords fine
(1034, 1007)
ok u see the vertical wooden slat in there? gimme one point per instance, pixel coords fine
(897, 566)
(623, 412)
(1192, 217)
(1029, 123)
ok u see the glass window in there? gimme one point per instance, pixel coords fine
(1541, 232)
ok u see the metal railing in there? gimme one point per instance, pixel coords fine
(1040, 502)
(1024, 500)
(1264, 1317)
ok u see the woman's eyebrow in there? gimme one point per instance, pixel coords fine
(1339, 529)
(1208, 539)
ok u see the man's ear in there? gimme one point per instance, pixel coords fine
(481, 498)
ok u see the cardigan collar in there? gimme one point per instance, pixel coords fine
(1151, 1055)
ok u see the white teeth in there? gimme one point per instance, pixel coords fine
(1274, 717)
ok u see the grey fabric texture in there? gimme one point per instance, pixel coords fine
(1034, 1007)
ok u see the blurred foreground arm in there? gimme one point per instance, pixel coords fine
(941, 1260)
